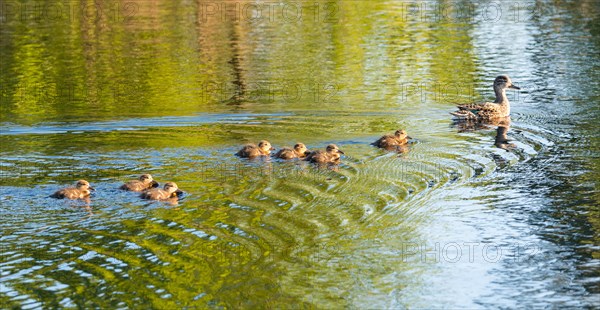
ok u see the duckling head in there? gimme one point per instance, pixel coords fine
(503, 82)
(83, 185)
(401, 134)
(146, 178)
(265, 147)
(333, 149)
(171, 187)
(300, 148)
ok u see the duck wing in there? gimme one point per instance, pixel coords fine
(464, 115)
(60, 194)
(385, 141)
(315, 156)
(285, 153)
(134, 185)
(471, 106)
(68, 193)
(473, 111)
(249, 150)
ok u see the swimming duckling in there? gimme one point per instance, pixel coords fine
(330, 155)
(169, 191)
(80, 191)
(143, 183)
(264, 148)
(400, 137)
(488, 111)
(299, 151)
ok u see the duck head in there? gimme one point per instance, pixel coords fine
(300, 148)
(401, 134)
(265, 147)
(84, 185)
(333, 149)
(146, 178)
(503, 82)
(171, 187)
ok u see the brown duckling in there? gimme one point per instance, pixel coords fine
(299, 151)
(144, 182)
(169, 191)
(400, 137)
(330, 155)
(251, 150)
(80, 191)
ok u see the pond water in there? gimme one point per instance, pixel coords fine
(105, 91)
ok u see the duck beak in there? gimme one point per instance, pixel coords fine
(155, 184)
(340, 151)
(409, 137)
(514, 87)
(272, 149)
(91, 188)
(307, 152)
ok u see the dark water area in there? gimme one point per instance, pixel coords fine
(498, 216)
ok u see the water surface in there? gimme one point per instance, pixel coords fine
(174, 89)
